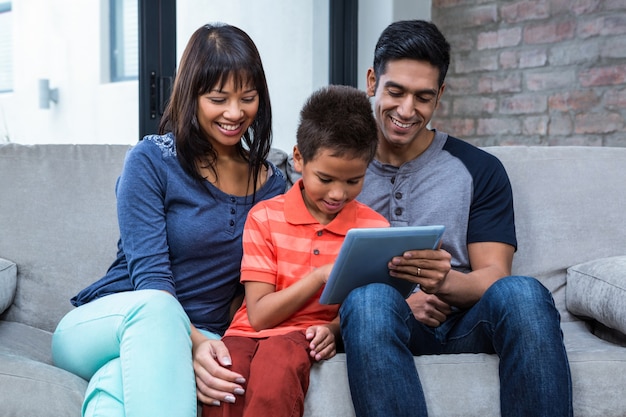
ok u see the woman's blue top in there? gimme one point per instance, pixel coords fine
(178, 234)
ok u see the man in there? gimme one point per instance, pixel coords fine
(467, 302)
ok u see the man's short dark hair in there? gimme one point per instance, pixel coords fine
(338, 118)
(412, 39)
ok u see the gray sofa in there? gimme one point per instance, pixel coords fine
(58, 232)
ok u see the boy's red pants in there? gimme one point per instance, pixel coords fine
(276, 370)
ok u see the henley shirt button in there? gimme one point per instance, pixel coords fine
(232, 211)
(232, 199)
(398, 195)
(398, 211)
(316, 252)
(319, 233)
(232, 222)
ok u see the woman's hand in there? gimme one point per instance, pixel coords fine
(214, 381)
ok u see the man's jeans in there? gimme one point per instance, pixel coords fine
(516, 318)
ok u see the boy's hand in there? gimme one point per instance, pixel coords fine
(324, 272)
(322, 342)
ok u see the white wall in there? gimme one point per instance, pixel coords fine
(66, 42)
(61, 40)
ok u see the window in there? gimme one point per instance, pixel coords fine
(6, 47)
(124, 40)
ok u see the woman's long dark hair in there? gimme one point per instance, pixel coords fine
(214, 53)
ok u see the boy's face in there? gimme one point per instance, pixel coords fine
(330, 182)
(405, 98)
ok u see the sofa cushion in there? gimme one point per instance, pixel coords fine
(8, 283)
(597, 290)
(31, 385)
(32, 388)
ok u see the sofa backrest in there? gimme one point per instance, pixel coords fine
(570, 207)
(58, 219)
(58, 223)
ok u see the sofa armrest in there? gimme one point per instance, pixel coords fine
(597, 290)
(8, 283)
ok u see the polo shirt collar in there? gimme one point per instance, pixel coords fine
(296, 212)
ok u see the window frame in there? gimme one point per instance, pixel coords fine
(6, 48)
(124, 40)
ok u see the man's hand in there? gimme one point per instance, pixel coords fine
(214, 382)
(431, 269)
(428, 268)
(428, 308)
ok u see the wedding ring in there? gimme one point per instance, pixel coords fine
(419, 271)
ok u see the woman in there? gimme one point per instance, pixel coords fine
(183, 197)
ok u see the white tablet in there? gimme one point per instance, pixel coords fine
(364, 256)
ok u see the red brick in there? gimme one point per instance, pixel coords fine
(575, 53)
(474, 63)
(603, 25)
(580, 7)
(573, 100)
(499, 39)
(471, 105)
(598, 123)
(519, 141)
(535, 125)
(506, 83)
(560, 124)
(509, 59)
(523, 104)
(551, 32)
(603, 76)
(467, 17)
(560, 7)
(498, 126)
(462, 42)
(481, 15)
(613, 47)
(616, 139)
(459, 85)
(524, 10)
(533, 58)
(615, 99)
(613, 5)
(575, 140)
(460, 128)
(541, 81)
(563, 83)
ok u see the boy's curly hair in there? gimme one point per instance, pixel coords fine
(338, 118)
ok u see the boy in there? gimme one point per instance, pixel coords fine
(289, 245)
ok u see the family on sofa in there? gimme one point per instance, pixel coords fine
(183, 199)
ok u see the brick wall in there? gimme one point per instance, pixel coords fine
(534, 72)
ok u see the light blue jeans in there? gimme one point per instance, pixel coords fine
(134, 348)
(516, 318)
